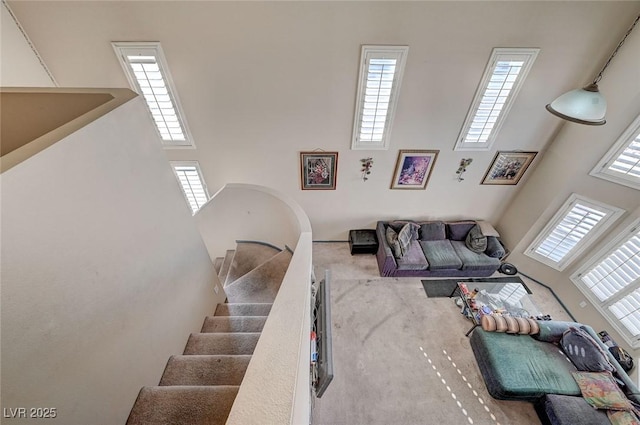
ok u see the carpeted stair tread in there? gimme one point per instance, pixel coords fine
(183, 405)
(262, 283)
(243, 309)
(224, 270)
(205, 370)
(222, 343)
(233, 324)
(249, 255)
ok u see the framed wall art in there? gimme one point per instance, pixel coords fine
(318, 170)
(508, 167)
(413, 169)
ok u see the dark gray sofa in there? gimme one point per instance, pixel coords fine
(439, 250)
(533, 368)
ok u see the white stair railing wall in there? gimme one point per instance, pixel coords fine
(276, 387)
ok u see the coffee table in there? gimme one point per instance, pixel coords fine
(506, 298)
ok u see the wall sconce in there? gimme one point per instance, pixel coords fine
(464, 162)
(367, 163)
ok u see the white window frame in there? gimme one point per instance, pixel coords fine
(601, 170)
(603, 306)
(126, 48)
(611, 215)
(196, 165)
(528, 55)
(399, 53)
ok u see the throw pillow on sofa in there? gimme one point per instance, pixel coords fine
(397, 225)
(476, 241)
(585, 353)
(405, 236)
(392, 240)
(601, 391)
(494, 248)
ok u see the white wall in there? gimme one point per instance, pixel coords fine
(261, 81)
(104, 273)
(20, 66)
(564, 169)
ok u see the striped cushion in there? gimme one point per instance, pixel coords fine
(508, 324)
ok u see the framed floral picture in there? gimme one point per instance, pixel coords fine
(508, 167)
(413, 169)
(318, 170)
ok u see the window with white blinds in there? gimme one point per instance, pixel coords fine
(611, 281)
(622, 163)
(192, 183)
(381, 70)
(576, 225)
(148, 75)
(502, 79)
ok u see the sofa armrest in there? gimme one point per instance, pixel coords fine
(386, 261)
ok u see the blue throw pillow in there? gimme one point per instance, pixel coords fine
(494, 248)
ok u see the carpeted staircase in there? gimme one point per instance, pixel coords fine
(200, 385)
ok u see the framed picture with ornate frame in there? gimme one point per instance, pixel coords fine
(508, 167)
(318, 170)
(413, 169)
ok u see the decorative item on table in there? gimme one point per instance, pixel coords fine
(508, 167)
(464, 163)
(367, 164)
(318, 170)
(413, 169)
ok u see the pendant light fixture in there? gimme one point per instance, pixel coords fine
(586, 105)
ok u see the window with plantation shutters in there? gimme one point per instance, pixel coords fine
(148, 74)
(502, 79)
(381, 70)
(611, 281)
(192, 183)
(622, 163)
(571, 230)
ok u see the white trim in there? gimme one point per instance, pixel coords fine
(527, 56)
(397, 53)
(611, 214)
(602, 306)
(30, 43)
(601, 170)
(195, 207)
(124, 49)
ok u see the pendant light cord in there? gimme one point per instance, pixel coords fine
(599, 77)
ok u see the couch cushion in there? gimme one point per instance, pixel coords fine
(440, 255)
(413, 259)
(518, 367)
(473, 261)
(433, 231)
(569, 410)
(458, 230)
(494, 248)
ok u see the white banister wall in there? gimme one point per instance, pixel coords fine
(276, 387)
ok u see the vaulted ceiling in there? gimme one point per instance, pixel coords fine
(261, 81)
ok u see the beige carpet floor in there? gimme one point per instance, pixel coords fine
(402, 358)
